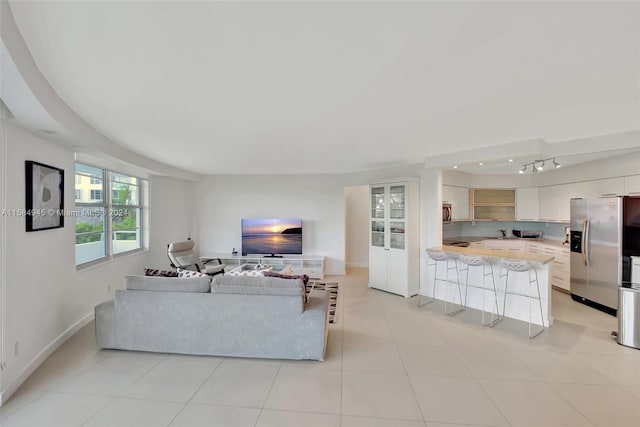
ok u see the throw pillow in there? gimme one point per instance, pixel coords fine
(191, 273)
(162, 273)
(246, 273)
(303, 277)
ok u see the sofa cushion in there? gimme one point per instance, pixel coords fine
(257, 285)
(167, 284)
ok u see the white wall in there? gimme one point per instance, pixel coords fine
(171, 217)
(357, 225)
(44, 298)
(222, 201)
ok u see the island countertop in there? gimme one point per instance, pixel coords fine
(496, 253)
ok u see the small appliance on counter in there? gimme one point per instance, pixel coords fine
(527, 234)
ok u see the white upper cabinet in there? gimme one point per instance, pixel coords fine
(554, 200)
(527, 204)
(632, 185)
(459, 199)
(610, 187)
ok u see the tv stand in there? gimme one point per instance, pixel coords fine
(311, 265)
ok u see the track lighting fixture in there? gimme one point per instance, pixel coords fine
(538, 165)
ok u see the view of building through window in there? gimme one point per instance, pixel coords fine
(106, 226)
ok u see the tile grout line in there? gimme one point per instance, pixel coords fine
(117, 395)
(266, 397)
(404, 365)
(194, 393)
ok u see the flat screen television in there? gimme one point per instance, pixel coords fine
(271, 237)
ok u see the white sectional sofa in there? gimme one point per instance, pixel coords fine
(264, 317)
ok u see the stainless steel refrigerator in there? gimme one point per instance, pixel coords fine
(596, 251)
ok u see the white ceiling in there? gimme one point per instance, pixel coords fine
(334, 87)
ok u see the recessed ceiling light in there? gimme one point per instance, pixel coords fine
(481, 164)
(510, 160)
(455, 166)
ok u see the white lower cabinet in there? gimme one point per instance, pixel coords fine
(514, 245)
(388, 271)
(559, 269)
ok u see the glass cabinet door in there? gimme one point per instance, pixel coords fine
(378, 201)
(396, 201)
(396, 236)
(377, 233)
(388, 216)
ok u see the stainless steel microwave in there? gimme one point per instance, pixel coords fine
(446, 212)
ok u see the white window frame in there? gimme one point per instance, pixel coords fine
(106, 204)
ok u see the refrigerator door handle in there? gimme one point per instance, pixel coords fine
(585, 241)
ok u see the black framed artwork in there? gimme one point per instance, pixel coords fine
(44, 196)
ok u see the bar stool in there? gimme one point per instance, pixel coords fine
(520, 266)
(451, 263)
(486, 263)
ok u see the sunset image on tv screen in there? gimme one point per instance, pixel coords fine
(271, 236)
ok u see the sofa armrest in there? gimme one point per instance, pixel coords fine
(316, 315)
(105, 323)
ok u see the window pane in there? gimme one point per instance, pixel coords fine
(126, 229)
(90, 239)
(124, 179)
(89, 189)
(125, 194)
(89, 170)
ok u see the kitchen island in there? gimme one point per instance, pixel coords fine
(517, 306)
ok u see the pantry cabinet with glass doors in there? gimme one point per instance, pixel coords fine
(394, 247)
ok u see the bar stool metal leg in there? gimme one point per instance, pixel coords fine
(535, 280)
(435, 275)
(457, 282)
(495, 314)
(450, 264)
(523, 266)
(487, 270)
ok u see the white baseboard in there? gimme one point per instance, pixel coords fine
(42, 356)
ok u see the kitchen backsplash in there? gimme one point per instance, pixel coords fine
(550, 231)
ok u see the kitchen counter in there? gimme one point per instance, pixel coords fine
(523, 256)
(516, 306)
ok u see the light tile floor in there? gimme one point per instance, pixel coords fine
(388, 364)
